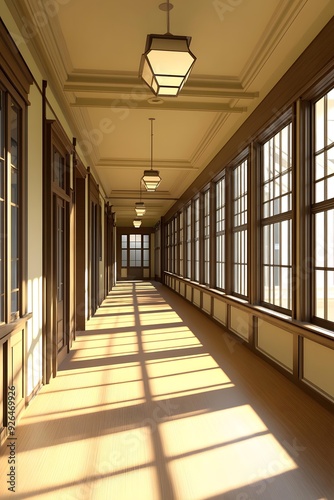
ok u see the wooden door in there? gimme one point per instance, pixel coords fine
(60, 273)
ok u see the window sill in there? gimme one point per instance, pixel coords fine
(7, 329)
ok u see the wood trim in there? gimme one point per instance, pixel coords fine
(9, 329)
(254, 236)
(292, 326)
(54, 137)
(297, 330)
(80, 251)
(13, 63)
(301, 210)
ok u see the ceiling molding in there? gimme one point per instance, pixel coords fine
(84, 102)
(133, 195)
(278, 25)
(129, 85)
(114, 163)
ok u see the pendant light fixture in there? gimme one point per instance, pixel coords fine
(167, 61)
(139, 205)
(151, 178)
(137, 223)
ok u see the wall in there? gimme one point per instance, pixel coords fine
(281, 343)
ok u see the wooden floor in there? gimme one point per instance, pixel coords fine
(156, 402)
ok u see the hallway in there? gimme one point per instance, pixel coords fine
(156, 402)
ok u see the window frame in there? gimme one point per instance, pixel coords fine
(281, 217)
(317, 207)
(10, 97)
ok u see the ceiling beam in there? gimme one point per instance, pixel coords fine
(114, 163)
(91, 102)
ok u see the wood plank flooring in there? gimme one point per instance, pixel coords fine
(156, 402)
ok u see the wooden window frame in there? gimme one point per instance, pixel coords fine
(240, 230)
(317, 207)
(220, 234)
(272, 220)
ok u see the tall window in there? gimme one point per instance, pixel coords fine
(175, 245)
(220, 233)
(169, 236)
(277, 220)
(10, 208)
(239, 225)
(135, 250)
(181, 269)
(188, 241)
(323, 209)
(196, 239)
(206, 225)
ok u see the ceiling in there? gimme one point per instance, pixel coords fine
(89, 51)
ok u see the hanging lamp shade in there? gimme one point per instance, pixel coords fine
(151, 179)
(166, 63)
(137, 223)
(140, 208)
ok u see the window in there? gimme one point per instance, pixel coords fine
(175, 246)
(220, 233)
(323, 210)
(181, 270)
(196, 239)
(239, 225)
(124, 250)
(276, 189)
(10, 206)
(169, 246)
(188, 242)
(207, 237)
(135, 250)
(146, 249)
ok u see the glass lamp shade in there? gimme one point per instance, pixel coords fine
(140, 209)
(151, 179)
(166, 63)
(137, 222)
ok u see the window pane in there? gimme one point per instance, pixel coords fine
(330, 117)
(240, 285)
(330, 295)
(14, 135)
(146, 241)
(324, 264)
(220, 234)
(319, 124)
(124, 241)
(320, 295)
(196, 239)
(124, 258)
(207, 237)
(58, 169)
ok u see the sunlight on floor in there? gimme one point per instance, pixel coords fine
(141, 409)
